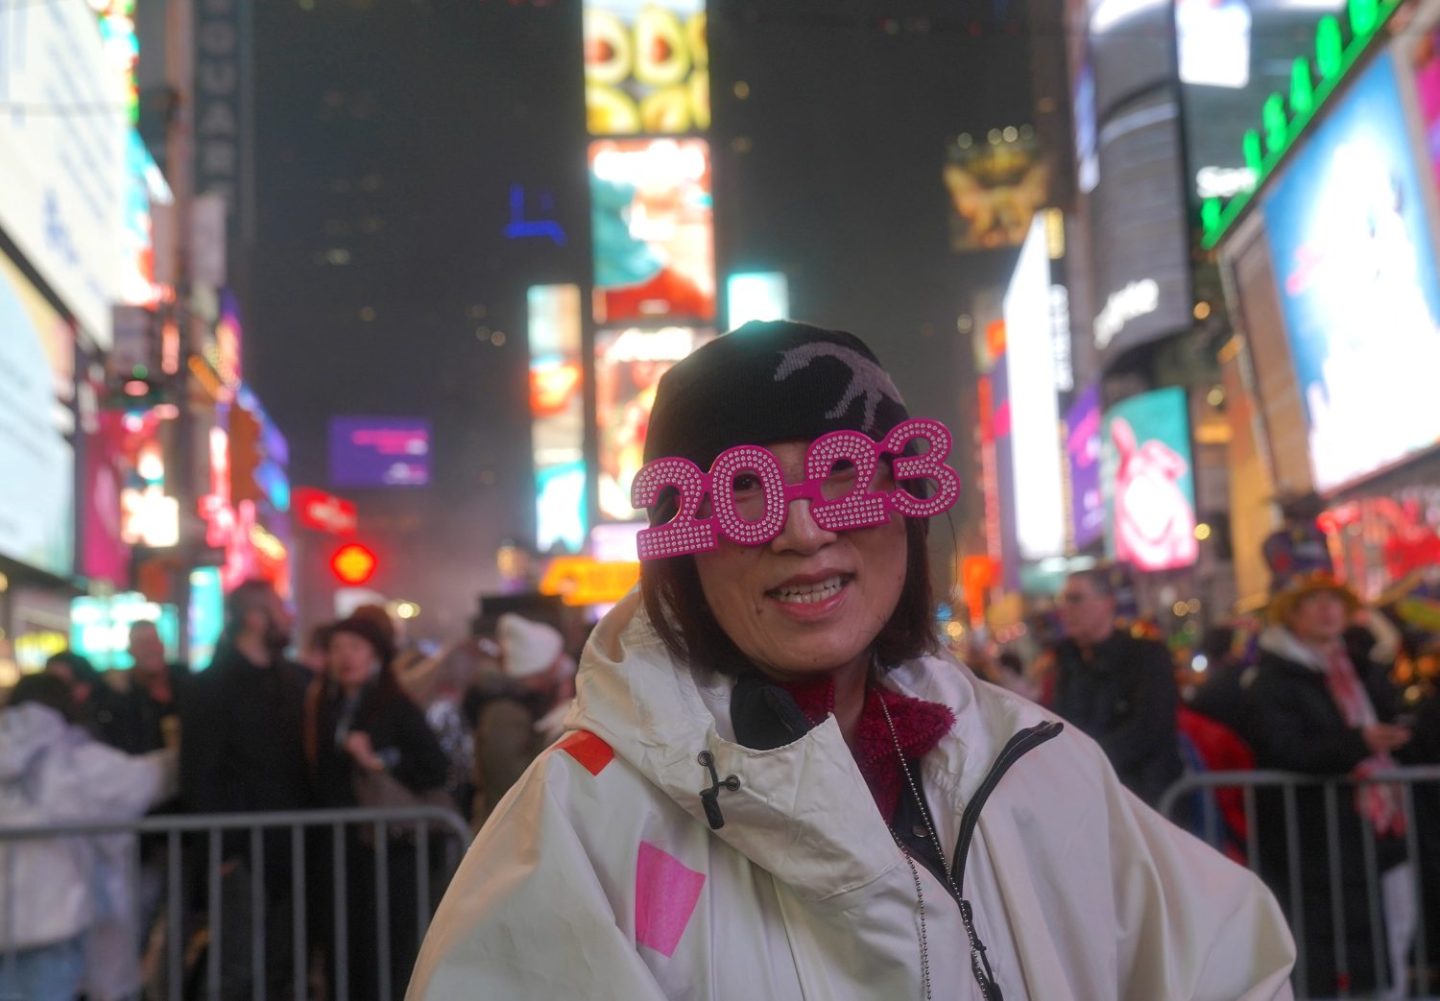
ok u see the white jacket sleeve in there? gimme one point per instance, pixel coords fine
(1193, 925)
(111, 785)
(526, 915)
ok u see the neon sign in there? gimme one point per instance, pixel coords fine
(1284, 118)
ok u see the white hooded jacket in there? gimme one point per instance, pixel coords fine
(598, 876)
(53, 889)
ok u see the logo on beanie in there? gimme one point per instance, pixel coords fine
(750, 500)
(868, 381)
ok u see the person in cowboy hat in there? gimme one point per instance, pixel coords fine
(1315, 703)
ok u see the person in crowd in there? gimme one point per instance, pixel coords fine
(316, 656)
(243, 753)
(147, 705)
(96, 702)
(1317, 705)
(774, 787)
(1220, 696)
(64, 911)
(359, 726)
(1116, 687)
(147, 719)
(509, 707)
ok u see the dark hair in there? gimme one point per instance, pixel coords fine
(670, 589)
(1099, 578)
(320, 636)
(81, 670)
(387, 682)
(46, 690)
(247, 597)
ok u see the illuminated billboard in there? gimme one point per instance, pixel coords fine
(1082, 450)
(652, 224)
(62, 168)
(379, 452)
(100, 628)
(646, 67)
(996, 183)
(37, 490)
(1034, 405)
(628, 367)
(1148, 481)
(1141, 231)
(1356, 265)
(757, 295)
(557, 413)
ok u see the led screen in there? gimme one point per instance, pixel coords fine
(628, 367)
(1356, 266)
(1140, 229)
(758, 295)
(1082, 450)
(62, 166)
(646, 67)
(557, 411)
(206, 615)
(100, 628)
(1034, 407)
(379, 452)
(652, 228)
(1148, 481)
(1426, 69)
(37, 489)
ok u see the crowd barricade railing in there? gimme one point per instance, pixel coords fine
(200, 849)
(1238, 812)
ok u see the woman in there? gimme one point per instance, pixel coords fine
(67, 907)
(1318, 705)
(358, 724)
(772, 787)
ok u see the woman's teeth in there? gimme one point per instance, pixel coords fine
(809, 594)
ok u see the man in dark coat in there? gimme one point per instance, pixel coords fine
(243, 752)
(146, 715)
(1117, 688)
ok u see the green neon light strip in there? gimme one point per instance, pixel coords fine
(1265, 148)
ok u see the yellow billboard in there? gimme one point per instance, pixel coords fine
(646, 67)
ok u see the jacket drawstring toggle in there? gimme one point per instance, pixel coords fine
(710, 798)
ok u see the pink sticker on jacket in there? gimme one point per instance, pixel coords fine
(666, 892)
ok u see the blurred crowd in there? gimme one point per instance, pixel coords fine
(1312, 686)
(1316, 685)
(355, 722)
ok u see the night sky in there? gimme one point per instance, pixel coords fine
(391, 132)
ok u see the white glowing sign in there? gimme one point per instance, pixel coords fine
(1135, 300)
(1034, 409)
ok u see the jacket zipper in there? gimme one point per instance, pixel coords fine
(1015, 748)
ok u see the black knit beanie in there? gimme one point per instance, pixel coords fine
(767, 382)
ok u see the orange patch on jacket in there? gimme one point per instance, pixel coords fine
(592, 752)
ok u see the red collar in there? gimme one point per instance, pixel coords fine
(919, 725)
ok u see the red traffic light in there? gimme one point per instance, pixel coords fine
(353, 564)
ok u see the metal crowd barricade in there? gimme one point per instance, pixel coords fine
(209, 835)
(1192, 802)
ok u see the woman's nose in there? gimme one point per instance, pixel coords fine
(801, 534)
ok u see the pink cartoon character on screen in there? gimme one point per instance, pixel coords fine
(1154, 520)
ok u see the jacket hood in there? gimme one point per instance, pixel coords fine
(1282, 643)
(803, 811)
(25, 731)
